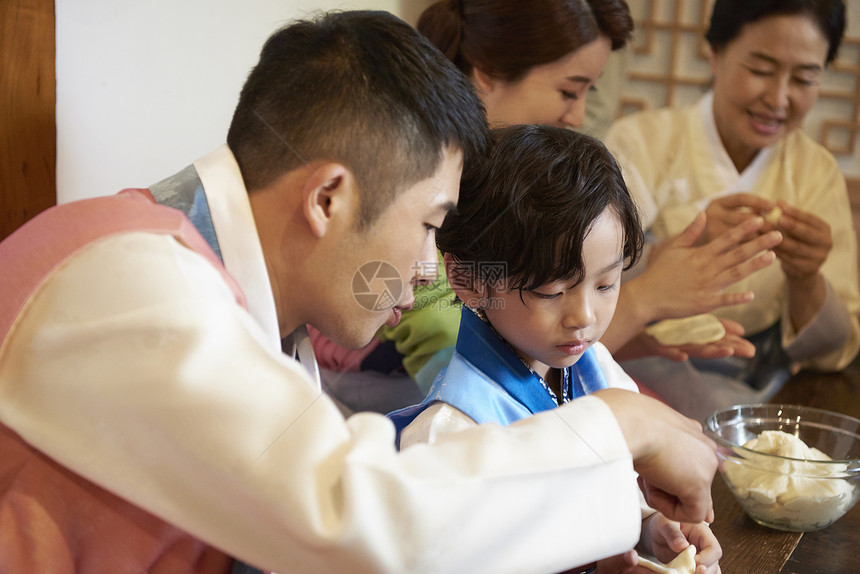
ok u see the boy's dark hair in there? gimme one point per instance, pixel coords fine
(730, 16)
(530, 205)
(361, 88)
(507, 38)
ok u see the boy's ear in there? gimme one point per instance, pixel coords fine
(463, 282)
(328, 193)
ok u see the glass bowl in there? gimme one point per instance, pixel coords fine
(789, 490)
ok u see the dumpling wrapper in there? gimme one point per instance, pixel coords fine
(684, 563)
(696, 330)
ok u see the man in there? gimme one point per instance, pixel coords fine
(151, 423)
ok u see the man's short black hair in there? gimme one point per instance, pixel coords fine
(361, 88)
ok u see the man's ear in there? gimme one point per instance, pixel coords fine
(462, 280)
(328, 192)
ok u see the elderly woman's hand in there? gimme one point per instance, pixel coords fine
(806, 243)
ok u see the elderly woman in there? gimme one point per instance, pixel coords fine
(739, 155)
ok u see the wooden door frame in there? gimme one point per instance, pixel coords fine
(28, 95)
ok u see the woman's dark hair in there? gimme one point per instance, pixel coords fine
(507, 38)
(730, 16)
(529, 206)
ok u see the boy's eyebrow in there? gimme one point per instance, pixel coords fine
(615, 264)
(611, 267)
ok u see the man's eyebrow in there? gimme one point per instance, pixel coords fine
(774, 61)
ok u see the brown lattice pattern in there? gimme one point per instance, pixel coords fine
(849, 95)
(656, 22)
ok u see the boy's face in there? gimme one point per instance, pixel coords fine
(552, 326)
(377, 267)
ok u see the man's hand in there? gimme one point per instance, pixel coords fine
(676, 462)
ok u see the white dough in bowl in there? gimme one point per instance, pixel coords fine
(789, 492)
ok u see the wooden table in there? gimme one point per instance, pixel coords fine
(749, 548)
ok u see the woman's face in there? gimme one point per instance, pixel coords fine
(552, 94)
(765, 82)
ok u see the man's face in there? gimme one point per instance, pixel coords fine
(377, 267)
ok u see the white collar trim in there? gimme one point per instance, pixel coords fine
(734, 181)
(237, 236)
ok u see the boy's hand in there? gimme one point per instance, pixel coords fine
(665, 539)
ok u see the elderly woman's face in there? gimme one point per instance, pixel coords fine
(765, 82)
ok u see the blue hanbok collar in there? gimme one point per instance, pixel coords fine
(489, 382)
(492, 355)
(489, 353)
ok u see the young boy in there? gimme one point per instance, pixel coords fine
(535, 252)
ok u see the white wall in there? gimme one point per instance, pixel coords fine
(146, 87)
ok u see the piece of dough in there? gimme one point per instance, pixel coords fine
(773, 216)
(698, 330)
(684, 563)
